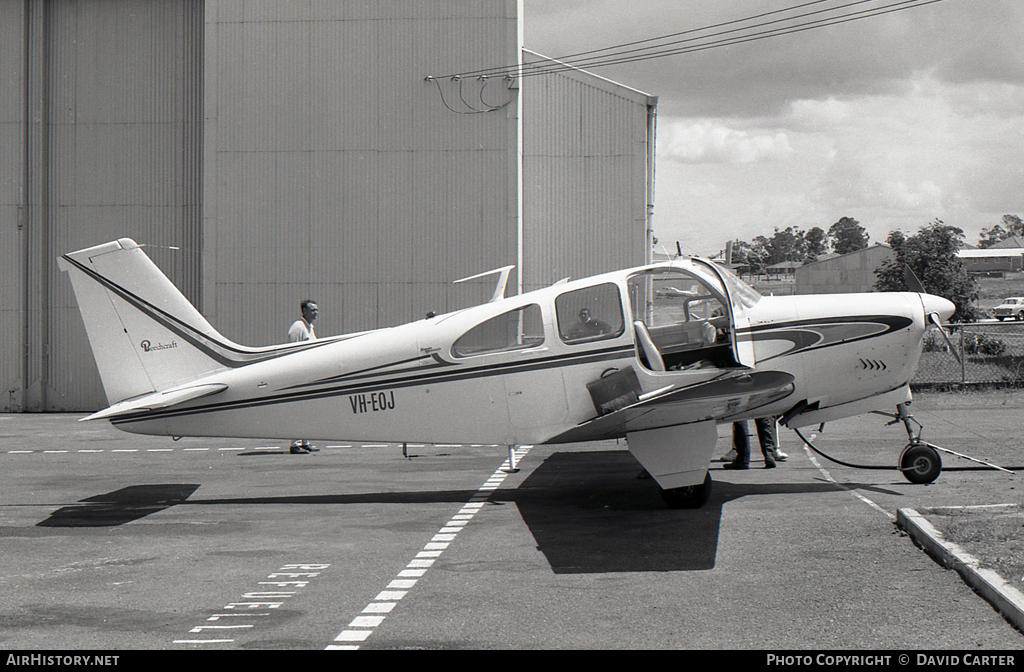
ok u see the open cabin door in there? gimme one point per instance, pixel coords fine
(686, 317)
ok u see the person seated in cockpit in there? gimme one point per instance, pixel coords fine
(719, 327)
(587, 327)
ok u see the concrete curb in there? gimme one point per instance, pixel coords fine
(1004, 597)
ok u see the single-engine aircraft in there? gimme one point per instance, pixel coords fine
(659, 354)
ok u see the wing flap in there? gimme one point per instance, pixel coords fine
(717, 399)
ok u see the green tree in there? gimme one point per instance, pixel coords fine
(847, 235)
(784, 245)
(1012, 226)
(931, 255)
(815, 244)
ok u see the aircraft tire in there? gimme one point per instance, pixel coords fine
(920, 464)
(688, 497)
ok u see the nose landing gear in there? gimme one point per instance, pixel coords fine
(920, 461)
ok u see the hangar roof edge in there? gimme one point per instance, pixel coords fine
(622, 89)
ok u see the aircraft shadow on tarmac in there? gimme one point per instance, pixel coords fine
(119, 507)
(596, 512)
(589, 512)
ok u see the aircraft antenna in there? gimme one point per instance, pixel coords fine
(499, 290)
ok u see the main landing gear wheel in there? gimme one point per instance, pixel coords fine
(920, 463)
(688, 497)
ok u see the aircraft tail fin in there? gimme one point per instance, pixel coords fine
(145, 335)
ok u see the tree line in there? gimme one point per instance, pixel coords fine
(1013, 227)
(845, 236)
(796, 245)
(931, 254)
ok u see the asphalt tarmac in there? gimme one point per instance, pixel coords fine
(112, 541)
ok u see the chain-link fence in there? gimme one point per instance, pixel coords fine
(990, 353)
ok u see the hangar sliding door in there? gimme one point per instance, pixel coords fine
(107, 135)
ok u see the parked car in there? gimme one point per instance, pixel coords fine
(1011, 307)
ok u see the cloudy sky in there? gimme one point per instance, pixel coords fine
(894, 120)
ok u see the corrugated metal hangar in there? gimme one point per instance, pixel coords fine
(265, 152)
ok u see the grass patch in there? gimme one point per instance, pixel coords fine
(993, 535)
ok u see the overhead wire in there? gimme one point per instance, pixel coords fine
(702, 43)
(749, 37)
(621, 50)
(658, 47)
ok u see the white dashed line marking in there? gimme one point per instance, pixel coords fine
(833, 481)
(973, 506)
(362, 626)
(236, 449)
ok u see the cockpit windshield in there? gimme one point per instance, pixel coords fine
(740, 291)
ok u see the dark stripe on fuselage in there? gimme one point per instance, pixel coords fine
(807, 335)
(369, 372)
(406, 378)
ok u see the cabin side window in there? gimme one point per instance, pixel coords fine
(590, 314)
(515, 330)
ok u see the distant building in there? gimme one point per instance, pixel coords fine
(854, 272)
(1006, 255)
(783, 268)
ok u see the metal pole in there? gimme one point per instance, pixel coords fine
(26, 199)
(44, 208)
(652, 118)
(963, 358)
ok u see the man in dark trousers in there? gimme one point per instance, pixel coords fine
(741, 443)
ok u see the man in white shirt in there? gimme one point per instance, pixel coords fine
(302, 330)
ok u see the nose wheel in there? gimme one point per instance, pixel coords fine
(920, 463)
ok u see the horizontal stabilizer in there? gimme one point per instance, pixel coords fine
(158, 400)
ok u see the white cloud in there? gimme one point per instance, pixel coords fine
(711, 142)
(816, 114)
(894, 121)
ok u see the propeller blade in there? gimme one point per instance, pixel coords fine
(936, 322)
(911, 280)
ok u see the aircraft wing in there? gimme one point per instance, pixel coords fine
(716, 399)
(158, 400)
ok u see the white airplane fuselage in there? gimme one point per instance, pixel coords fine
(657, 354)
(402, 384)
